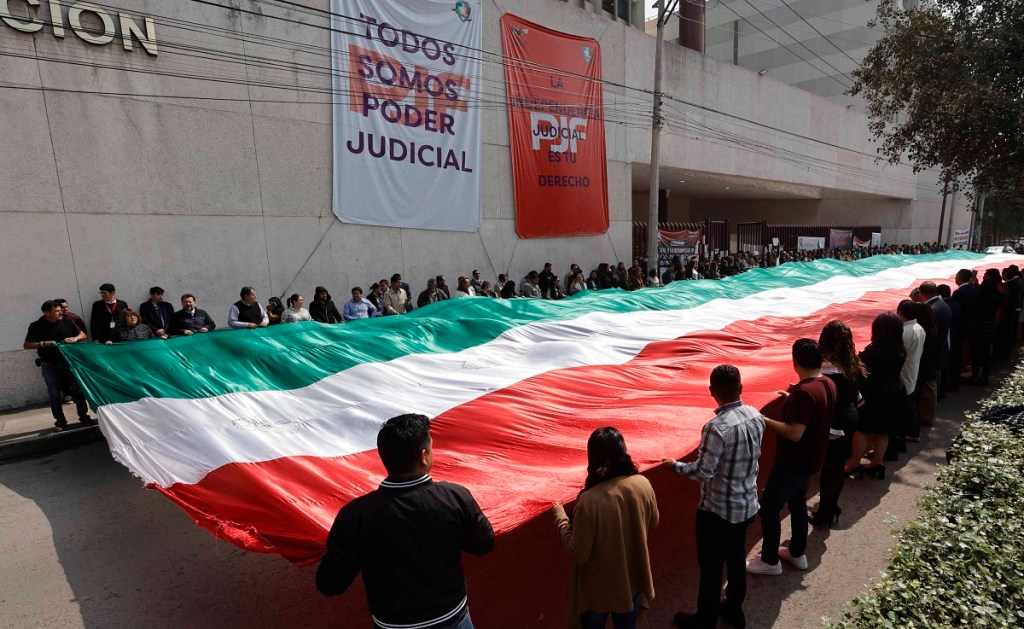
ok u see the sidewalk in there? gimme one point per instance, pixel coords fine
(847, 559)
(150, 536)
(29, 431)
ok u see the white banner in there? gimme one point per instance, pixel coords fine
(809, 243)
(407, 112)
(961, 237)
(876, 239)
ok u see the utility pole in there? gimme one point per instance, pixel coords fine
(942, 215)
(978, 221)
(952, 215)
(655, 184)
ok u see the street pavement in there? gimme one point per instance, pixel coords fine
(83, 545)
(29, 431)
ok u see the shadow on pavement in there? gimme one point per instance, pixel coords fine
(131, 558)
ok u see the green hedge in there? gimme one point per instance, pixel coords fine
(961, 563)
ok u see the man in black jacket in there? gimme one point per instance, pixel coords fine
(323, 309)
(157, 313)
(951, 376)
(935, 386)
(967, 296)
(190, 319)
(105, 314)
(547, 281)
(407, 537)
(1006, 331)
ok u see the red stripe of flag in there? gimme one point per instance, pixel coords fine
(519, 448)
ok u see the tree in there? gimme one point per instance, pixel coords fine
(1003, 220)
(945, 89)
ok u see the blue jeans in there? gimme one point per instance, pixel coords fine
(597, 620)
(467, 622)
(58, 379)
(783, 488)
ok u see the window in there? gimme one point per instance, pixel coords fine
(618, 8)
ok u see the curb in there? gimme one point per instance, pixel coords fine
(52, 442)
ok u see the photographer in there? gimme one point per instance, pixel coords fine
(43, 336)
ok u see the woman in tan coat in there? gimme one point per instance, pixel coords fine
(607, 538)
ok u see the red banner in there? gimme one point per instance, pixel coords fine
(556, 129)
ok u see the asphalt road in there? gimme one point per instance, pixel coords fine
(83, 545)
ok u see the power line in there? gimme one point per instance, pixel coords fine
(825, 18)
(493, 101)
(823, 167)
(814, 15)
(804, 46)
(242, 60)
(352, 19)
(819, 32)
(781, 45)
(349, 18)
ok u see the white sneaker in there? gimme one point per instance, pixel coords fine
(800, 563)
(756, 566)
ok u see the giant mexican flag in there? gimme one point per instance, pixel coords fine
(262, 435)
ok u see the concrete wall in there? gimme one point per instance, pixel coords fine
(678, 207)
(811, 44)
(234, 186)
(797, 211)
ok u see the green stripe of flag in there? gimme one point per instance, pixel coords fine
(292, 356)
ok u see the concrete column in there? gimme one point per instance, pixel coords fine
(663, 205)
(691, 25)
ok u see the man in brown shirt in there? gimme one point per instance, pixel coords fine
(802, 439)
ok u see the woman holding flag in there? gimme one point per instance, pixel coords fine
(607, 538)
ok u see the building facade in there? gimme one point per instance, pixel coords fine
(189, 145)
(815, 45)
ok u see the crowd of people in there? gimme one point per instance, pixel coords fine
(113, 321)
(849, 413)
(847, 416)
(719, 265)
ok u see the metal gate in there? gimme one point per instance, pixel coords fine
(716, 235)
(750, 236)
(759, 236)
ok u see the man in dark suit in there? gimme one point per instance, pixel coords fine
(1006, 331)
(943, 320)
(950, 379)
(190, 320)
(157, 313)
(547, 281)
(967, 296)
(105, 314)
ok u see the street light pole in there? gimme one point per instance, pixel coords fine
(655, 183)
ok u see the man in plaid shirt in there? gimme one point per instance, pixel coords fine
(726, 466)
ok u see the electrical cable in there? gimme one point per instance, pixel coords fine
(804, 46)
(787, 48)
(637, 119)
(825, 37)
